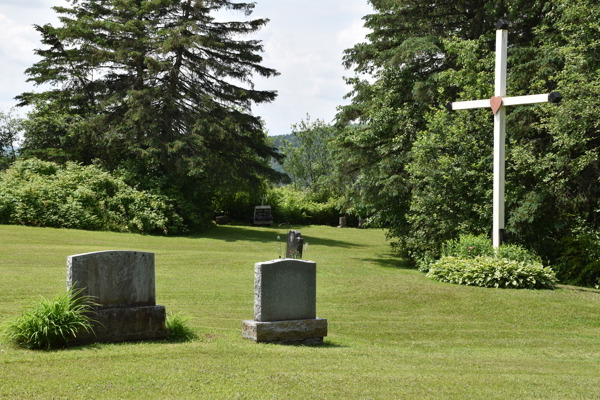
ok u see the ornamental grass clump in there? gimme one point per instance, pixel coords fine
(180, 330)
(495, 272)
(50, 324)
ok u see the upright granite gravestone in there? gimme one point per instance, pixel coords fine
(295, 245)
(285, 304)
(123, 284)
(342, 222)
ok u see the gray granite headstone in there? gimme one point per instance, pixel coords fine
(115, 278)
(285, 303)
(123, 285)
(284, 290)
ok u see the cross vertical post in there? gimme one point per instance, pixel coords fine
(499, 138)
(498, 105)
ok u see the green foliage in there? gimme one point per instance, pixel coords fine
(471, 246)
(301, 207)
(160, 89)
(517, 253)
(495, 272)
(10, 127)
(426, 173)
(468, 246)
(308, 161)
(579, 263)
(52, 323)
(180, 329)
(41, 193)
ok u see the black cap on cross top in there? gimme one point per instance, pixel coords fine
(502, 24)
(555, 97)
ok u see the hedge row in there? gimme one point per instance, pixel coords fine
(41, 193)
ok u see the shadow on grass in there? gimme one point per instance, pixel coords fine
(578, 288)
(397, 263)
(101, 345)
(241, 233)
(327, 344)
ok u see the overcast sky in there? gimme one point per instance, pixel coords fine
(304, 41)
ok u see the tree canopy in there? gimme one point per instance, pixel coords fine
(308, 161)
(157, 88)
(10, 127)
(427, 174)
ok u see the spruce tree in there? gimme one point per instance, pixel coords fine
(158, 88)
(426, 173)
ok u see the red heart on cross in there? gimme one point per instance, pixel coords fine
(496, 103)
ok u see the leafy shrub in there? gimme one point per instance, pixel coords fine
(301, 207)
(52, 323)
(180, 331)
(517, 253)
(492, 272)
(40, 193)
(468, 246)
(579, 263)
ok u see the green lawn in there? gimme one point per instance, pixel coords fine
(392, 332)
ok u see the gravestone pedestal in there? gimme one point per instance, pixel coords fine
(125, 324)
(123, 284)
(285, 297)
(303, 331)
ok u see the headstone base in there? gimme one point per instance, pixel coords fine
(301, 331)
(125, 324)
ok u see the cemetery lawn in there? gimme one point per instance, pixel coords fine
(393, 333)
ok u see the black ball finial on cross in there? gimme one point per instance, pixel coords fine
(555, 97)
(502, 24)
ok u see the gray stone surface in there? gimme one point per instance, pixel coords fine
(124, 324)
(285, 289)
(305, 331)
(115, 278)
(295, 245)
(342, 222)
(123, 285)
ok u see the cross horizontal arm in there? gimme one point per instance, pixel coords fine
(531, 99)
(553, 97)
(465, 105)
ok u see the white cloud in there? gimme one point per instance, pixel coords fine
(304, 41)
(353, 34)
(17, 41)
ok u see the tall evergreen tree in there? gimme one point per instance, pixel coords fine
(427, 174)
(157, 87)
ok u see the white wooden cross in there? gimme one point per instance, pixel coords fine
(497, 104)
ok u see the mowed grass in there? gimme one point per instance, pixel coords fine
(392, 332)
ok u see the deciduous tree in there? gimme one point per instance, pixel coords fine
(158, 87)
(10, 128)
(427, 174)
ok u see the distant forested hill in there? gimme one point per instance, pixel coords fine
(278, 142)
